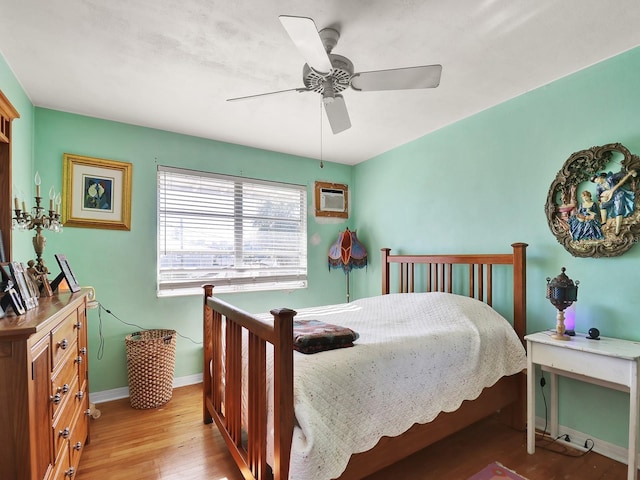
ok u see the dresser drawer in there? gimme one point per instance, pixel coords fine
(64, 338)
(61, 469)
(62, 426)
(83, 356)
(80, 399)
(64, 382)
(78, 438)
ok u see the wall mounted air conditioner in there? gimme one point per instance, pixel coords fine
(332, 200)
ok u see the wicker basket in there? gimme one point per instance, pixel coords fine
(151, 356)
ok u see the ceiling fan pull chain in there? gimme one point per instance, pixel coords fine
(321, 164)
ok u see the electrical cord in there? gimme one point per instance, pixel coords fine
(550, 441)
(100, 352)
(543, 382)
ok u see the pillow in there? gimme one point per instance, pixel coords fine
(312, 336)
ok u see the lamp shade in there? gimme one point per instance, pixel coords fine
(347, 252)
(562, 291)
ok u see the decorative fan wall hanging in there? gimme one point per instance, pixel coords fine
(593, 205)
(329, 74)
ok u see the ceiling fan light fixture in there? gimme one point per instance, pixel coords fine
(328, 93)
(329, 37)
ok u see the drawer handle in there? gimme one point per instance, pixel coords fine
(70, 473)
(64, 344)
(78, 446)
(64, 388)
(83, 351)
(56, 399)
(79, 325)
(64, 433)
(87, 412)
(80, 395)
(78, 360)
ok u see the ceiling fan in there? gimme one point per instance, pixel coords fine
(330, 74)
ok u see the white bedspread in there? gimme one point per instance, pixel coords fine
(418, 355)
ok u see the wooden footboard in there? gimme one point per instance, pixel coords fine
(222, 371)
(222, 389)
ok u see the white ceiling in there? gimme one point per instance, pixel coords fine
(172, 64)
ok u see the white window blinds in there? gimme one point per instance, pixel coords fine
(236, 233)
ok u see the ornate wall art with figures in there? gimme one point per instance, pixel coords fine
(593, 205)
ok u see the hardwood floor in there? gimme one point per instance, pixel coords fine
(172, 443)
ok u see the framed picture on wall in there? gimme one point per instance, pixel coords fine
(96, 192)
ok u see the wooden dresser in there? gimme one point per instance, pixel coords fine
(44, 390)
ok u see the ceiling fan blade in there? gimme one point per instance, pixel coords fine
(268, 93)
(426, 76)
(304, 34)
(337, 114)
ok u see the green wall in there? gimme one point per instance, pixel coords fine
(477, 185)
(481, 184)
(121, 265)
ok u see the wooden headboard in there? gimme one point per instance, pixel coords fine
(439, 275)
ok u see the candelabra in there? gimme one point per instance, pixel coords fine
(38, 220)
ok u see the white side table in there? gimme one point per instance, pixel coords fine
(608, 362)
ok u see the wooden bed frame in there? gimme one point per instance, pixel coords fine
(223, 369)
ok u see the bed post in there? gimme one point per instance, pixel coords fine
(520, 289)
(207, 327)
(518, 409)
(385, 270)
(283, 391)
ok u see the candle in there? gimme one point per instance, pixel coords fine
(58, 201)
(37, 182)
(16, 205)
(52, 195)
(24, 207)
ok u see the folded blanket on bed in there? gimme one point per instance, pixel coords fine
(312, 336)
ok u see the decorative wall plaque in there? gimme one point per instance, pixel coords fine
(593, 205)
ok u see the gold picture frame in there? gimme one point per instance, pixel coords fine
(96, 192)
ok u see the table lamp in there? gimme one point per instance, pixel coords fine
(561, 292)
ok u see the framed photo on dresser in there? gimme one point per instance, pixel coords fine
(22, 282)
(11, 299)
(66, 273)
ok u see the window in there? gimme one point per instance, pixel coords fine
(236, 233)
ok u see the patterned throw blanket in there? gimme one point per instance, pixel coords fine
(312, 336)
